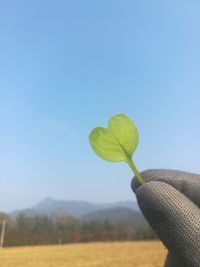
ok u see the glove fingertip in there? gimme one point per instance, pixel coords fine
(135, 184)
(174, 218)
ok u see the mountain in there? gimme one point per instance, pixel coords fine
(116, 216)
(78, 209)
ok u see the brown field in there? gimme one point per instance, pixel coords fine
(118, 254)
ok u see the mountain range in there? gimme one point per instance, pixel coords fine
(78, 209)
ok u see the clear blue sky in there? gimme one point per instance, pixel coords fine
(68, 66)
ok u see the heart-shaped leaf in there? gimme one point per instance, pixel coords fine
(117, 142)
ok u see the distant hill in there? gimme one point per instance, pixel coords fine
(116, 216)
(50, 206)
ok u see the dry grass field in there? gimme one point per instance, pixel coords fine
(123, 254)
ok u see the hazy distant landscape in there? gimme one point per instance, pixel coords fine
(54, 221)
(50, 206)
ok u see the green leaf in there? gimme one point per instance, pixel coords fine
(117, 142)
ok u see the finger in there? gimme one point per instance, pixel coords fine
(171, 261)
(186, 183)
(174, 218)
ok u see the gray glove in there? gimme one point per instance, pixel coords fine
(170, 202)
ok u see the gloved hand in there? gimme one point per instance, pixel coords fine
(170, 202)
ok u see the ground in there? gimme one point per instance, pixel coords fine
(117, 254)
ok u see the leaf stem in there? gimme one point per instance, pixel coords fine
(136, 172)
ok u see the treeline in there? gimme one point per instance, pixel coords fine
(43, 230)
